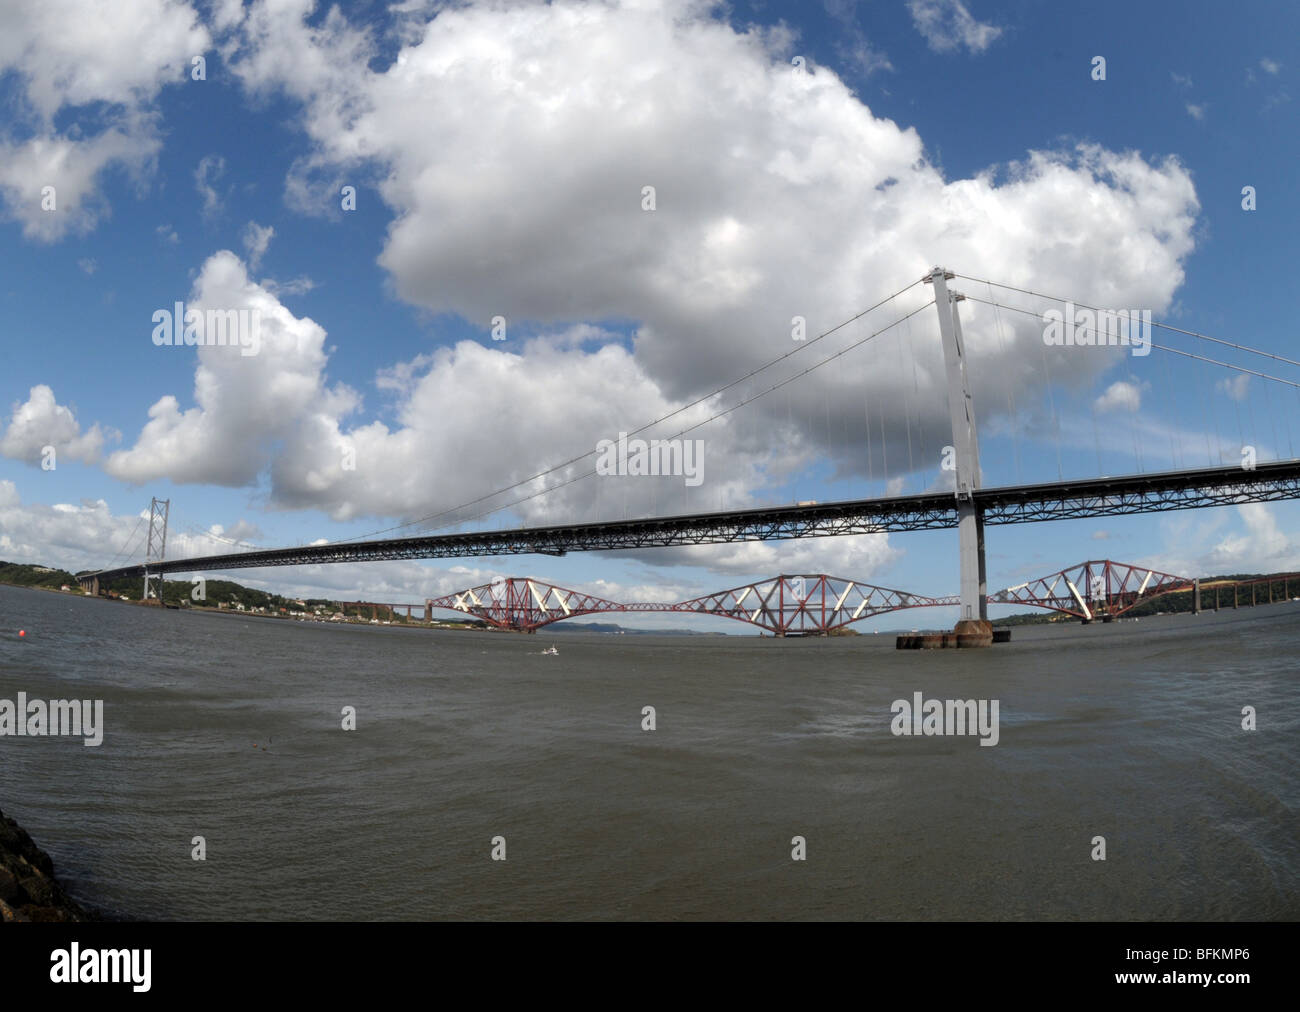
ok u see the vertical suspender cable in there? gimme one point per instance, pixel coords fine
(1051, 399)
(1011, 397)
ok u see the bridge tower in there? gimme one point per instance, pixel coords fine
(157, 545)
(973, 625)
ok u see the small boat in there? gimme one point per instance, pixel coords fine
(551, 651)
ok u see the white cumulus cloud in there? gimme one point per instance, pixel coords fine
(40, 422)
(521, 195)
(244, 405)
(101, 67)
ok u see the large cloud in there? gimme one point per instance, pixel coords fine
(513, 142)
(250, 396)
(470, 417)
(102, 65)
(477, 414)
(41, 422)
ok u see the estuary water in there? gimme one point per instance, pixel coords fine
(230, 728)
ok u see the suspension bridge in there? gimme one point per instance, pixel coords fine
(968, 506)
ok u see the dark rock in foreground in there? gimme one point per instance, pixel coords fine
(28, 889)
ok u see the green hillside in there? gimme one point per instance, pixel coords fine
(23, 575)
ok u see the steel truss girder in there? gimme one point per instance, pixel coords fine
(1090, 506)
(1063, 500)
(523, 603)
(786, 604)
(808, 603)
(1093, 589)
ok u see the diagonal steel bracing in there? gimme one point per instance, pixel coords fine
(1099, 588)
(784, 605)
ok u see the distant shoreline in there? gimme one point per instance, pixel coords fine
(595, 629)
(234, 613)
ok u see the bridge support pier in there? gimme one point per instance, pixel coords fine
(973, 629)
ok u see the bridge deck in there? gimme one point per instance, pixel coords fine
(1061, 500)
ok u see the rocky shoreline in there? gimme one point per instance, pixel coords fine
(28, 888)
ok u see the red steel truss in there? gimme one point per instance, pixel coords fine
(783, 605)
(808, 604)
(1093, 589)
(523, 604)
(814, 604)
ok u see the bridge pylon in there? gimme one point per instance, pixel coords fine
(973, 626)
(156, 548)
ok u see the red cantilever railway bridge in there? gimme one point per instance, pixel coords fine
(817, 604)
(783, 605)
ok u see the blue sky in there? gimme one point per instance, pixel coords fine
(499, 154)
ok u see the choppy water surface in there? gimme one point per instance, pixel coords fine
(1127, 731)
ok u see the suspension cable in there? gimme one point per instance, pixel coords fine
(1165, 326)
(1161, 347)
(706, 421)
(130, 537)
(426, 520)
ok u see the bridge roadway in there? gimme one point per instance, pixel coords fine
(1073, 499)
